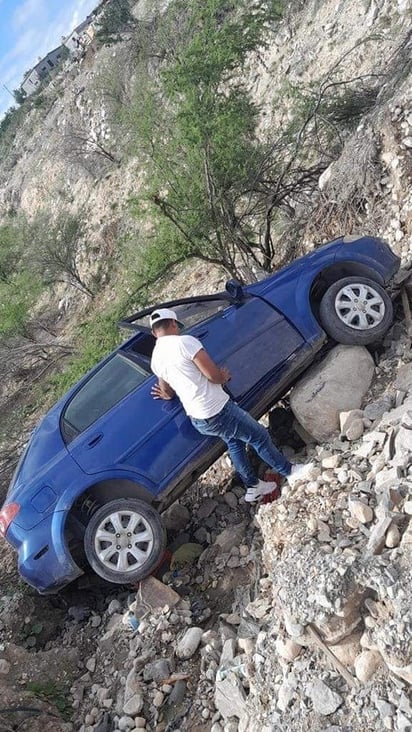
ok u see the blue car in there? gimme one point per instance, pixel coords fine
(107, 459)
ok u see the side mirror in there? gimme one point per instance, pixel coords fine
(235, 290)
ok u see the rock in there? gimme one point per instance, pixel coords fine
(139, 722)
(230, 537)
(403, 440)
(293, 627)
(230, 696)
(325, 701)
(386, 478)
(361, 511)
(403, 379)
(377, 409)
(189, 644)
(333, 628)
(404, 672)
(403, 723)
(366, 664)
(91, 664)
(325, 177)
(355, 431)
(157, 670)
(376, 539)
(230, 499)
(348, 649)
(286, 694)
(176, 517)
(158, 699)
(79, 612)
(133, 685)
(331, 462)
(154, 594)
(325, 391)
(346, 419)
(393, 536)
(114, 607)
(134, 705)
(288, 649)
(185, 555)
(206, 508)
(4, 667)
(125, 723)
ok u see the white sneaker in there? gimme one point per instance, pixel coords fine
(300, 472)
(262, 488)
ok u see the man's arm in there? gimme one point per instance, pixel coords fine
(214, 373)
(162, 390)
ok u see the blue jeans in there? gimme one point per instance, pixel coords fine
(237, 428)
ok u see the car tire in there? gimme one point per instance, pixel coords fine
(138, 542)
(356, 311)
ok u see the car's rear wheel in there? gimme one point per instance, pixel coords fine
(124, 540)
(356, 311)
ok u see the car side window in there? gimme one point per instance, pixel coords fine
(108, 386)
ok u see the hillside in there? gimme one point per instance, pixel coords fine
(301, 116)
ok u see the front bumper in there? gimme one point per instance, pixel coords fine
(44, 561)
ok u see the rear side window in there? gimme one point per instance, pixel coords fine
(117, 378)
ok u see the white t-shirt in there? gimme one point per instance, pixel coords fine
(172, 361)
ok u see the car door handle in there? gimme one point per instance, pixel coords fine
(202, 334)
(95, 440)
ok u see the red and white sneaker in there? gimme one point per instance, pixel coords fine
(262, 488)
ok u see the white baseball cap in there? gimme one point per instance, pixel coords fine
(164, 314)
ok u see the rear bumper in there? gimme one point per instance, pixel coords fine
(44, 561)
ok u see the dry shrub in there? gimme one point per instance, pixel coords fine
(351, 200)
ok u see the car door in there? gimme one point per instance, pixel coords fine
(113, 422)
(255, 341)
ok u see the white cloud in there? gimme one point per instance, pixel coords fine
(37, 27)
(30, 11)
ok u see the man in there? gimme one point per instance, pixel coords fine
(183, 367)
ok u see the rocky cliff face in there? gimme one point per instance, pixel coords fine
(68, 151)
(297, 616)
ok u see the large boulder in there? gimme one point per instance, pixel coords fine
(337, 384)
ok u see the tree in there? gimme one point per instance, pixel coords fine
(19, 95)
(116, 21)
(56, 250)
(85, 147)
(198, 129)
(224, 190)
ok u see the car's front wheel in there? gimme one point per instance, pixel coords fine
(356, 311)
(124, 540)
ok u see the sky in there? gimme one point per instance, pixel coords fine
(28, 30)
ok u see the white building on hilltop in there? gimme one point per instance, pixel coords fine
(39, 72)
(80, 37)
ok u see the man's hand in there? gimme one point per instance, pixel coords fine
(162, 390)
(226, 375)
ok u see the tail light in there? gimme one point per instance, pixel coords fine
(7, 515)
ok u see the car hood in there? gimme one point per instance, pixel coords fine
(45, 446)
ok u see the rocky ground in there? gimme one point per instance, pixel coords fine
(292, 615)
(286, 617)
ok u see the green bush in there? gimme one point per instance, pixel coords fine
(12, 248)
(17, 297)
(94, 340)
(197, 126)
(115, 20)
(53, 693)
